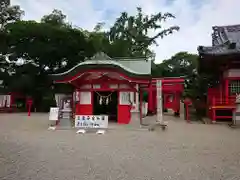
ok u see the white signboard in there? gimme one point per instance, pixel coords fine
(91, 121)
(54, 113)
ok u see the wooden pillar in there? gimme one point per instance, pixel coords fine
(137, 98)
(140, 105)
(177, 104)
(29, 105)
(221, 91)
(226, 90)
(213, 110)
(150, 98)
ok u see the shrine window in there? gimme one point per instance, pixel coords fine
(234, 87)
(96, 86)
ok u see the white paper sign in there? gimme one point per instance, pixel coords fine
(54, 112)
(91, 121)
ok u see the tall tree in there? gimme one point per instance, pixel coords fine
(56, 18)
(132, 32)
(181, 64)
(8, 14)
(48, 47)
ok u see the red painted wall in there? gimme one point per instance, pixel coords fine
(84, 109)
(124, 114)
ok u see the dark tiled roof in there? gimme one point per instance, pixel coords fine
(223, 49)
(225, 40)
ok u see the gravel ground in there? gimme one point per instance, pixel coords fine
(183, 152)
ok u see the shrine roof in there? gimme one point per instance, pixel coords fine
(225, 40)
(136, 68)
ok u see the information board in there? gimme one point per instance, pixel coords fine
(91, 121)
(54, 114)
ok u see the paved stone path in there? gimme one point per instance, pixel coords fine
(183, 152)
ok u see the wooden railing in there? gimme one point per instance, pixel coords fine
(220, 101)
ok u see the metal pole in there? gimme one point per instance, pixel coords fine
(159, 102)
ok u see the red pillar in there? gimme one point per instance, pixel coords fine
(176, 104)
(177, 101)
(221, 91)
(213, 110)
(150, 98)
(140, 105)
(226, 90)
(29, 106)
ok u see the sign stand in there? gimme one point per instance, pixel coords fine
(53, 117)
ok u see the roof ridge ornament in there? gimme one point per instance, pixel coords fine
(100, 56)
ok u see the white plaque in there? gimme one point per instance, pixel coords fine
(54, 114)
(91, 121)
(85, 97)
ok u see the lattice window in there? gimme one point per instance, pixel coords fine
(234, 87)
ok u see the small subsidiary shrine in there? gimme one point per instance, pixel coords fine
(114, 87)
(222, 58)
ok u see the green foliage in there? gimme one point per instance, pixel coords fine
(8, 14)
(56, 18)
(181, 64)
(132, 32)
(30, 50)
(45, 45)
(129, 36)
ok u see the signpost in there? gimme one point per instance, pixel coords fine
(54, 114)
(84, 122)
(159, 105)
(159, 101)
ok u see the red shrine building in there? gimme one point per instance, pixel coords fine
(115, 87)
(222, 58)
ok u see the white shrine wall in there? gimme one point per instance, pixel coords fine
(85, 98)
(135, 100)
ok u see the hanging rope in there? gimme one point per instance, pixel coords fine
(104, 99)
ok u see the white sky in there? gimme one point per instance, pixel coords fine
(195, 17)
